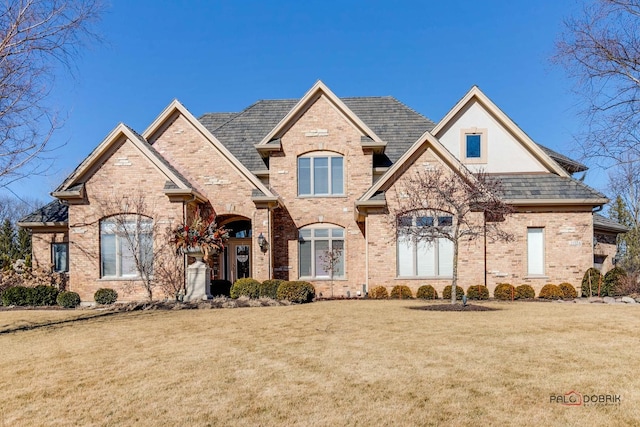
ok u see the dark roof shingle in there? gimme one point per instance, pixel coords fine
(54, 212)
(547, 186)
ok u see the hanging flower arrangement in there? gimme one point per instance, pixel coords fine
(201, 235)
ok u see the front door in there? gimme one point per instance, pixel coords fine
(239, 259)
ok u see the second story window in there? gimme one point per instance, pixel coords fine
(321, 175)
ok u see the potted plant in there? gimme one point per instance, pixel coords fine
(201, 236)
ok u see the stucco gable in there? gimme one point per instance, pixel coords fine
(510, 149)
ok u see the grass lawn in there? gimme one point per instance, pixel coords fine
(322, 364)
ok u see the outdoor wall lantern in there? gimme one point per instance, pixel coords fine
(262, 242)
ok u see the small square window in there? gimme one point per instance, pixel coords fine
(474, 144)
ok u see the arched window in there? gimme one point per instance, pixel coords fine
(422, 251)
(126, 246)
(321, 250)
(320, 174)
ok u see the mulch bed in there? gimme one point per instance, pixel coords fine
(454, 307)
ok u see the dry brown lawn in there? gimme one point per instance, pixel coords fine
(323, 364)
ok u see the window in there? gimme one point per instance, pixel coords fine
(418, 257)
(320, 175)
(535, 251)
(60, 257)
(319, 248)
(473, 145)
(120, 239)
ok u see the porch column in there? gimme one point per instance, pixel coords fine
(261, 256)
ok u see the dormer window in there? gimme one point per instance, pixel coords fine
(321, 174)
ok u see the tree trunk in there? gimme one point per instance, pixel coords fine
(454, 280)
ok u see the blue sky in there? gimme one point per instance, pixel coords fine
(224, 56)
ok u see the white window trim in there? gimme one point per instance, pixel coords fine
(320, 154)
(484, 146)
(118, 252)
(330, 239)
(436, 248)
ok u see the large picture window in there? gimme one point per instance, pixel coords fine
(422, 257)
(316, 247)
(60, 257)
(120, 239)
(320, 175)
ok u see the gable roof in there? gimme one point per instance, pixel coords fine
(398, 125)
(475, 94)
(73, 185)
(317, 90)
(175, 108)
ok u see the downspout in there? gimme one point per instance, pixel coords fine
(366, 255)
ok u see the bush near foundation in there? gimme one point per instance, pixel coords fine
(427, 292)
(220, 287)
(44, 295)
(68, 299)
(269, 288)
(379, 292)
(446, 292)
(594, 276)
(504, 292)
(17, 295)
(614, 282)
(247, 287)
(478, 292)
(296, 291)
(401, 292)
(550, 291)
(105, 296)
(525, 292)
(568, 291)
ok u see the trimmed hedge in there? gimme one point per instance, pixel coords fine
(41, 295)
(568, 291)
(427, 292)
(401, 292)
(477, 292)
(525, 292)
(596, 283)
(220, 288)
(105, 296)
(379, 292)
(613, 281)
(247, 287)
(68, 299)
(297, 291)
(550, 291)
(504, 292)
(446, 292)
(269, 288)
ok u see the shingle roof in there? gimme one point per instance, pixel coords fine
(54, 212)
(547, 186)
(398, 125)
(607, 224)
(568, 164)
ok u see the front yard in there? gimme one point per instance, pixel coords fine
(327, 363)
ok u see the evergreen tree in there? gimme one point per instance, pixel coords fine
(7, 244)
(628, 243)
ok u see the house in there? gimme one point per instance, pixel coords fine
(296, 178)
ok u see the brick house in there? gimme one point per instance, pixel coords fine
(306, 175)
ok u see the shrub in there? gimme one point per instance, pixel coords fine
(594, 276)
(17, 295)
(44, 295)
(401, 292)
(220, 288)
(525, 292)
(504, 292)
(247, 287)
(426, 292)
(446, 292)
(613, 282)
(379, 292)
(105, 296)
(550, 291)
(477, 292)
(299, 291)
(269, 288)
(568, 291)
(628, 285)
(68, 299)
